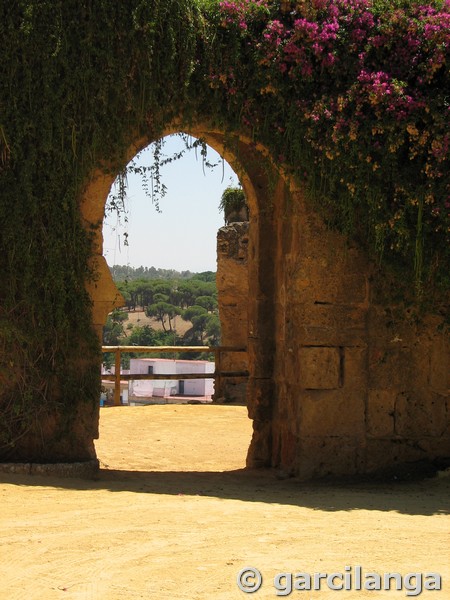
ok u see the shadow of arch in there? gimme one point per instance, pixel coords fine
(264, 188)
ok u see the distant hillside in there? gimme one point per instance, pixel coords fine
(164, 307)
(126, 273)
(140, 319)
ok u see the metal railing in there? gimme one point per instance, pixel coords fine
(217, 375)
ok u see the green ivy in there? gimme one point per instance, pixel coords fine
(82, 79)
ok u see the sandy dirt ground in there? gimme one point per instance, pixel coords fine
(138, 317)
(174, 515)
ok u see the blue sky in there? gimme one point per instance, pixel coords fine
(183, 235)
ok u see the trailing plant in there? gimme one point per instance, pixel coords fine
(350, 96)
(80, 78)
(233, 202)
(152, 183)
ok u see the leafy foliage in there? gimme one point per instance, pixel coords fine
(164, 312)
(151, 179)
(194, 299)
(233, 202)
(127, 273)
(77, 78)
(351, 96)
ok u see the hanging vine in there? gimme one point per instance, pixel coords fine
(152, 182)
(351, 96)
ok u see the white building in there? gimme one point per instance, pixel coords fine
(170, 388)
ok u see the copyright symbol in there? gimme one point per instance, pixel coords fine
(249, 580)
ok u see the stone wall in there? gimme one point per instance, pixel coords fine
(342, 380)
(360, 383)
(232, 287)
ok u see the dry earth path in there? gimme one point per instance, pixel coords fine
(173, 515)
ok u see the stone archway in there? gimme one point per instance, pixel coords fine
(345, 378)
(338, 382)
(257, 176)
(341, 381)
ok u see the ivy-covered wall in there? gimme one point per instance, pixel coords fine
(350, 98)
(77, 78)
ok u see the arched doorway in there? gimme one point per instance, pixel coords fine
(263, 187)
(338, 378)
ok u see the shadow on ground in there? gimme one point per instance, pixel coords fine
(425, 497)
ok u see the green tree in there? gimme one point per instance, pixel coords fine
(208, 302)
(209, 276)
(187, 294)
(205, 326)
(193, 311)
(213, 330)
(142, 336)
(113, 330)
(164, 313)
(108, 360)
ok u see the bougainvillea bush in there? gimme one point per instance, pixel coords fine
(353, 97)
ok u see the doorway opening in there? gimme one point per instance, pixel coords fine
(168, 251)
(265, 193)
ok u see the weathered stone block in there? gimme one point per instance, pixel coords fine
(420, 414)
(332, 413)
(319, 457)
(233, 392)
(261, 356)
(439, 374)
(260, 450)
(380, 413)
(324, 286)
(234, 361)
(390, 366)
(287, 402)
(260, 398)
(437, 447)
(289, 368)
(387, 453)
(104, 290)
(233, 285)
(334, 271)
(284, 446)
(325, 325)
(319, 368)
(355, 375)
